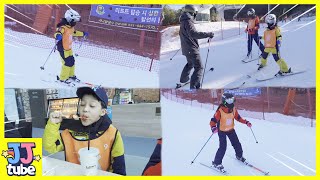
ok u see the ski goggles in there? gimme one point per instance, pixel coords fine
(230, 100)
(249, 13)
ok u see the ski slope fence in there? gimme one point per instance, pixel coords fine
(287, 101)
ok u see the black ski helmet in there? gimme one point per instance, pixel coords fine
(251, 12)
(228, 100)
(191, 9)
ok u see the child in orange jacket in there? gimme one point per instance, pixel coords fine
(272, 39)
(252, 30)
(223, 123)
(64, 34)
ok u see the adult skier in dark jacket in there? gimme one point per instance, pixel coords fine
(190, 47)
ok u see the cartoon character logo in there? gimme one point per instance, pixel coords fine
(100, 10)
(20, 158)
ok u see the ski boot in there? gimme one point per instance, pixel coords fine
(281, 73)
(242, 159)
(178, 86)
(194, 86)
(75, 79)
(66, 82)
(219, 167)
(260, 67)
(248, 55)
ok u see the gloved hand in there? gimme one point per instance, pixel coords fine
(248, 124)
(85, 34)
(55, 117)
(279, 43)
(211, 35)
(58, 37)
(214, 129)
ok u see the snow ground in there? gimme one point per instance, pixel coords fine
(283, 148)
(298, 50)
(23, 61)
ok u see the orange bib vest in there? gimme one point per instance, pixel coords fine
(67, 37)
(104, 143)
(226, 120)
(270, 38)
(252, 25)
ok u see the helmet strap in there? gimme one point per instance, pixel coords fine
(271, 26)
(72, 23)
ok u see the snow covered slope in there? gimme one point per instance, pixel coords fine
(284, 148)
(298, 50)
(23, 61)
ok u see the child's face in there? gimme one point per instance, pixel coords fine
(90, 110)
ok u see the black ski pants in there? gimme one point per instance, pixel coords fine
(254, 37)
(232, 135)
(193, 61)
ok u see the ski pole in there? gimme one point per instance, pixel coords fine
(278, 50)
(259, 49)
(279, 55)
(251, 41)
(253, 135)
(247, 36)
(175, 54)
(258, 45)
(205, 66)
(42, 67)
(201, 149)
(84, 38)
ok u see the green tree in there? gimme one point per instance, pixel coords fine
(169, 16)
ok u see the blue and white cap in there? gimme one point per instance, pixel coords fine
(100, 93)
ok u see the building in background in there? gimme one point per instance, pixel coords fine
(27, 108)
